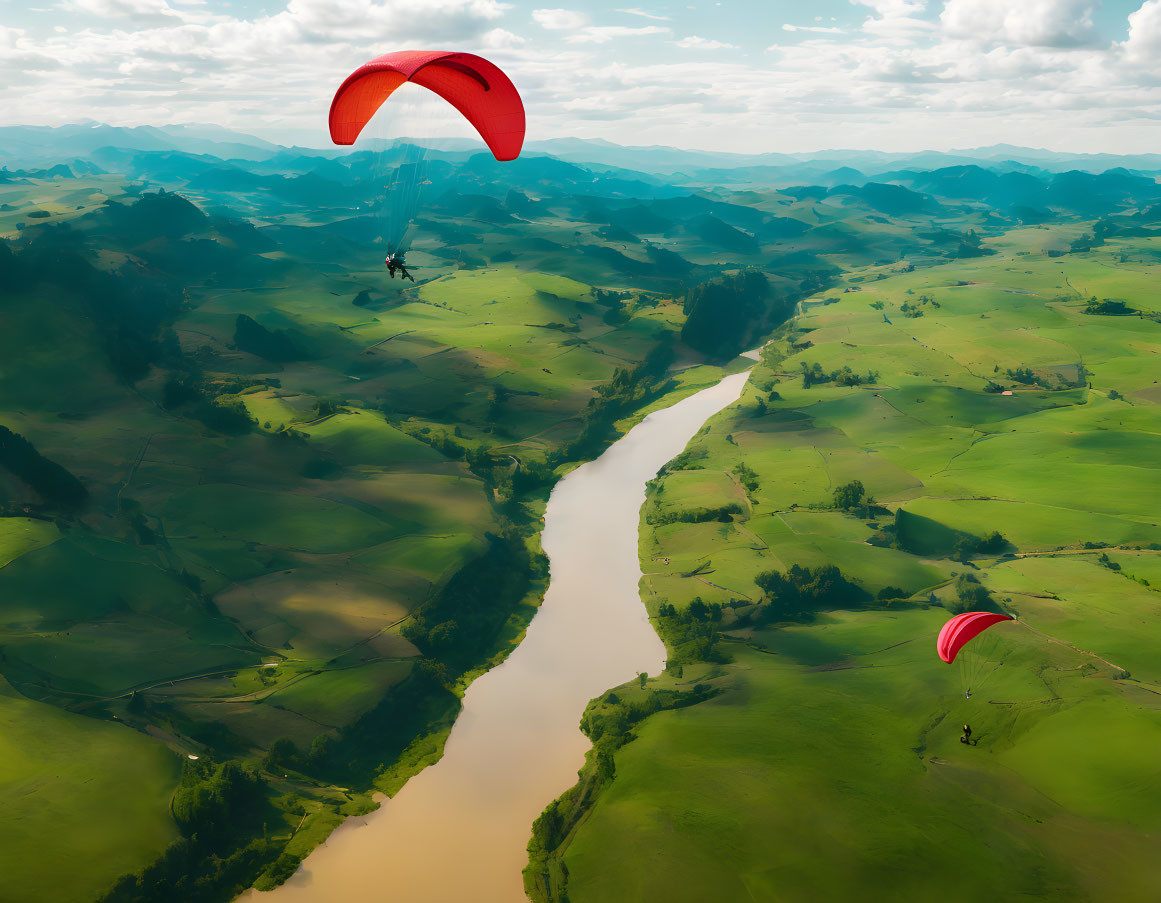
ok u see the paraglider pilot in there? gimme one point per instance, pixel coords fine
(395, 262)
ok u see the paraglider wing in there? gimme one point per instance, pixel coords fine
(479, 90)
(962, 629)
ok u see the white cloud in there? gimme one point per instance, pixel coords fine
(501, 39)
(889, 9)
(904, 78)
(22, 62)
(1036, 23)
(559, 19)
(899, 29)
(10, 37)
(693, 42)
(192, 65)
(1144, 41)
(339, 21)
(820, 29)
(138, 10)
(895, 20)
(601, 34)
(644, 14)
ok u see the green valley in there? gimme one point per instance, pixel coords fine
(267, 513)
(481, 451)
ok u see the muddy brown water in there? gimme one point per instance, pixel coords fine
(457, 831)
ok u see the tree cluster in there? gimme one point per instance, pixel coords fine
(277, 345)
(814, 375)
(130, 308)
(193, 398)
(461, 622)
(1108, 308)
(914, 309)
(214, 807)
(284, 753)
(970, 245)
(992, 544)
(52, 482)
(690, 633)
(626, 391)
(696, 515)
(211, 798)
(617, 310)
(722, 315)
(849, 495)
(971, 595)
(747, 476)
(1104, 561)
(1024, 376)
(801, 591)
(968, 546)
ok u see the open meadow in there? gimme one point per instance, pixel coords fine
(828, 759)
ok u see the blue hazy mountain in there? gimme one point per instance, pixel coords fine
(36, 145)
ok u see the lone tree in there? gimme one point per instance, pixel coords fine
(849, 495)
(993, 543)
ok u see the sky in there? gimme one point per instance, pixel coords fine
(728, 75)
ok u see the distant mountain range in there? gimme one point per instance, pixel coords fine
(716, 167)
(24, 146)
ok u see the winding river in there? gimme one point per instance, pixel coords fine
(457, 831)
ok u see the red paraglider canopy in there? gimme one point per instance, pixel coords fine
(479, 90)
(962, 629)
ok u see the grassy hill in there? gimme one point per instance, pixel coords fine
(826, 759)
(308, 498)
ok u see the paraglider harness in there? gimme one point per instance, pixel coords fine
(395, 262)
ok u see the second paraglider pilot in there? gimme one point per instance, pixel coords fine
(395, 262)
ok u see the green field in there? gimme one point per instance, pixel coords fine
(265, 531)
(83, 801)
(795, 764)
(827, 765)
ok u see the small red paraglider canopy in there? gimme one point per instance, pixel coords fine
(479, 90)
(962, 629)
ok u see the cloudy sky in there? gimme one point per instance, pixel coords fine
(744, 75)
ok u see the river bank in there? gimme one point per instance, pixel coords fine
(516, 745)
